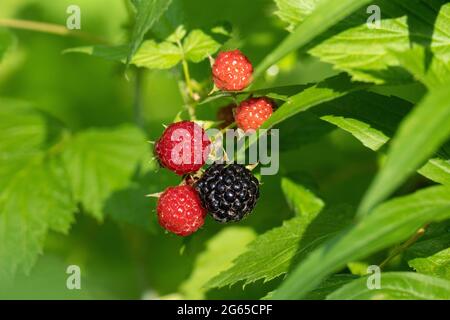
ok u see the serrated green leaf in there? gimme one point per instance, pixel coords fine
(322, 92)
(366, 53)
(373, 119)
(272, 253)
(434, 73)
(147, 13)
(294, 12)
(101, 162)
(396, 286)
(304, 203)
(437, 265)
(198, 46)
(35, 196)
(389, 223)
(152, 55)
(424, 130)
(325, 15)
(220, 251)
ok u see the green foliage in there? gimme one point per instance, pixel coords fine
(220, 251)
(6, 40)
(196, 47)
(437, 265)
(396, 286)
(74, 171)
(34, 193)
(366, 53)
(388, 224)
(327, 13)
(272, 253)
(147, 13)
(419, 136)
(97, 154)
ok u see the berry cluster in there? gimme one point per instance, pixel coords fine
(232, 71)
(227, 192)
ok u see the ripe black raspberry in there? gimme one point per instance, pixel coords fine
(228, 192)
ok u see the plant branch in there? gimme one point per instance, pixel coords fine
(48, 28)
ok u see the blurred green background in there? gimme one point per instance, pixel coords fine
(133, 260)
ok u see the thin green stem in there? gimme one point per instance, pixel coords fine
(401, 248)
(50, 28)
(187, 78)
(137, 104)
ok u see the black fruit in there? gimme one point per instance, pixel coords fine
(228, 192)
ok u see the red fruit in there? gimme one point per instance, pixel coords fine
(232, 71)
(180, 211)
(252, 113)
(226, 115)
(183, 148)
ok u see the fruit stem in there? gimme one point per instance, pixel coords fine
(48, 28)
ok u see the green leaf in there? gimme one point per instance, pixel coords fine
(294, 12)
(437, 265)
(6, 41)
(389, 224)
(327, 13)
(327, 90)
(433, 74)
(327, 286)
(438, 170)
(147, 13)
(151, 55)
(396, 286)
(367, 54)
(301, 200)
(114, 53)
(154, 55)
(435, 239)
(272, 253)
(198, 46)
(101, 162)
(420, 135)
(370, 137)
(35, 196)
(373, 119)
(177, 35)
(369, 117)
(220, 251)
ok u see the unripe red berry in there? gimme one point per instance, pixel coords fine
(253, 112)
(232, 71)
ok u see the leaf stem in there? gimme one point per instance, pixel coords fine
(401, 248)
(48, 28)
(137, 104)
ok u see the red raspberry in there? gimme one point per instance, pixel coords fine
(232, 71)
(226, 115)
(183, 148)
(180, 210)
(253, 112)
